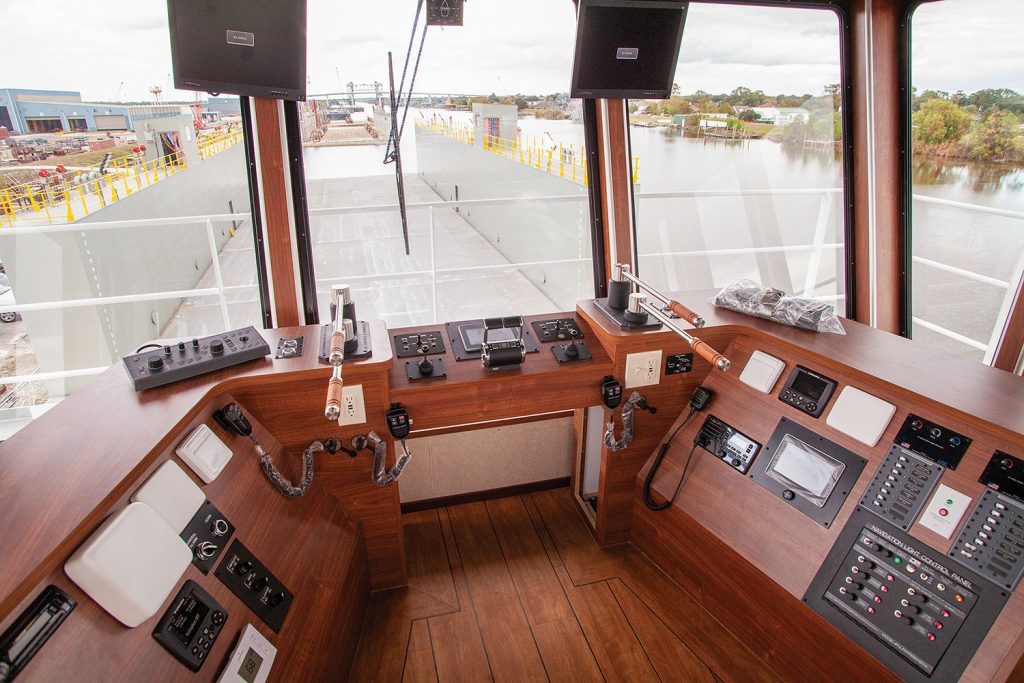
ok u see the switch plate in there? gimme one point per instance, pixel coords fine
(643, 369)
(353, 410)
(945, 510)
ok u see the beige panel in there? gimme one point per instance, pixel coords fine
(110, 122)
(485, 459)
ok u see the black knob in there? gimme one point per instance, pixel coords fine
(788, 495)
(860, 575)
(276, 599)
(167, 350)
(195, 343)
(919, 598)
(571, 350)
(849, 596)
(1006, 464)
(426, 367)
(260, 583)
(216, 347)
(181, 346)
(735, 462)
(217, 617)
(906, 621)
(244, 567)
(154, 363)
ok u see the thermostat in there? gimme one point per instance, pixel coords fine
(251, 660)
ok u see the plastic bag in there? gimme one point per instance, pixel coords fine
(746, 296)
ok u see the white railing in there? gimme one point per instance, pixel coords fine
(816, 247)
(1009, 287)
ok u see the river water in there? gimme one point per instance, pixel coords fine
(808, 211)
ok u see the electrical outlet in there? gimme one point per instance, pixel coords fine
(353, 410)
(643, 369)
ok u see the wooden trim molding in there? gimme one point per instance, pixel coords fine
(1009, 351)
(878, 166)
(621, 181)
(277, 223)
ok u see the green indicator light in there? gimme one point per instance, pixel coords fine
(897, 560)
(949, 501)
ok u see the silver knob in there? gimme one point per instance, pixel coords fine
(220, 527)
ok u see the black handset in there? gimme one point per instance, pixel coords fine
(231, 418)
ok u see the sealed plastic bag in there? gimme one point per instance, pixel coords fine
(746, 296)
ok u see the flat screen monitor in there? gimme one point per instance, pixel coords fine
(242, 47)
(627, 48)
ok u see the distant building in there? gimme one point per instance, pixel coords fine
(495, 121)
(781, 116)
(225, 106)
(51, 111)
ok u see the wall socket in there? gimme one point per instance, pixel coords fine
(643, 369)
(353, 410)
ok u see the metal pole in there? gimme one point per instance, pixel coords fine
(215, 262)
(397, 154)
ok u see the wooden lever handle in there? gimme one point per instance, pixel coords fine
(333, 409)
(686, 314)
(337, 353)
(716, 359)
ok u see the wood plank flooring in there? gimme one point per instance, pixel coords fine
(516, 589)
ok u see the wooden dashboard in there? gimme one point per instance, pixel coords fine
(728, 542)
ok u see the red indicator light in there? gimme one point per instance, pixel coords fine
(878, 599)
(943, 512)
(938, 624)
(945, 613)
(885, 589)
(889, 577)
(931, 636)
(871, 610)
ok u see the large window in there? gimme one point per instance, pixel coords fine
(740, 173)
(967, 172)
(124, 204)
(492, 152)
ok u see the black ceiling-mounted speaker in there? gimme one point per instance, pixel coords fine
(242, 47)
(627, 48)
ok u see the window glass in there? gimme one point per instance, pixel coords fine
(153, 181)
(492, 155)
(967, 173)
(739, 175)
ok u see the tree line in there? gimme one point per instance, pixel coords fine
(982, 126)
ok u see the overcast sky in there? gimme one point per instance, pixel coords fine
(505, 47)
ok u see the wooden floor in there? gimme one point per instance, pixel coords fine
(516, 589)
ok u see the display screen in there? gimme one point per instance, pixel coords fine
(805, 469)
(28, 635)
(810, 386)
(473, 337)
(250, 666)
(187, 619)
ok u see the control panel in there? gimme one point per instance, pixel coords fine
(727, 443)
(29, 632)
(883, 589)
(678, 363)
(992, 541)
(191, 359)
(933, 441)
(419, 344)
(901, 485)
(560, 329)
(467, 337)
(207, 535)
(190, 626)
(255, 585)
(1005, 473)
(807, 391)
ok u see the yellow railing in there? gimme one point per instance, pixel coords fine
(214, 144)
(563, 161)
(68, 197)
